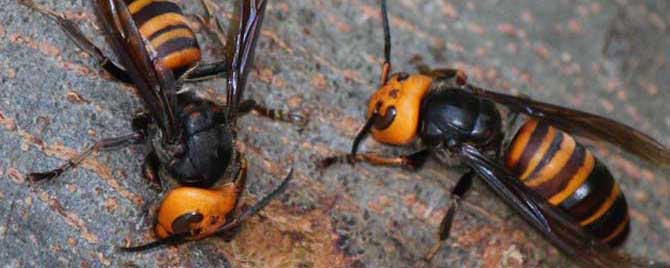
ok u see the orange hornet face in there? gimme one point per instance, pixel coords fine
(197, 211)
(397, 105)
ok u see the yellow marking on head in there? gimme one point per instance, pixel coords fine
(213, 202)
(404, 93)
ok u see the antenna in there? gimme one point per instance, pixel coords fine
(386, 67)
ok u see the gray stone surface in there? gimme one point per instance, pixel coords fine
(607, 57)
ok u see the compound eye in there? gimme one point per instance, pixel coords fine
(384, 121)
(183, 223)
(401, 77)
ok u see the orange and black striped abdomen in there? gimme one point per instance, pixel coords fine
(564, 172)
(162, 23)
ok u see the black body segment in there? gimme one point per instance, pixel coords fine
(567, 175)
(453, 115)
(208, 146)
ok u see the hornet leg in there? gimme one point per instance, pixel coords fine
(409, 161)
(462, 186)
(105, 144)
(150, 171)
(275, 114)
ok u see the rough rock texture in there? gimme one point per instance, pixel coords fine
(607, 57)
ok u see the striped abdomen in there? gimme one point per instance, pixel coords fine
(164, 26)
(561, 170)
